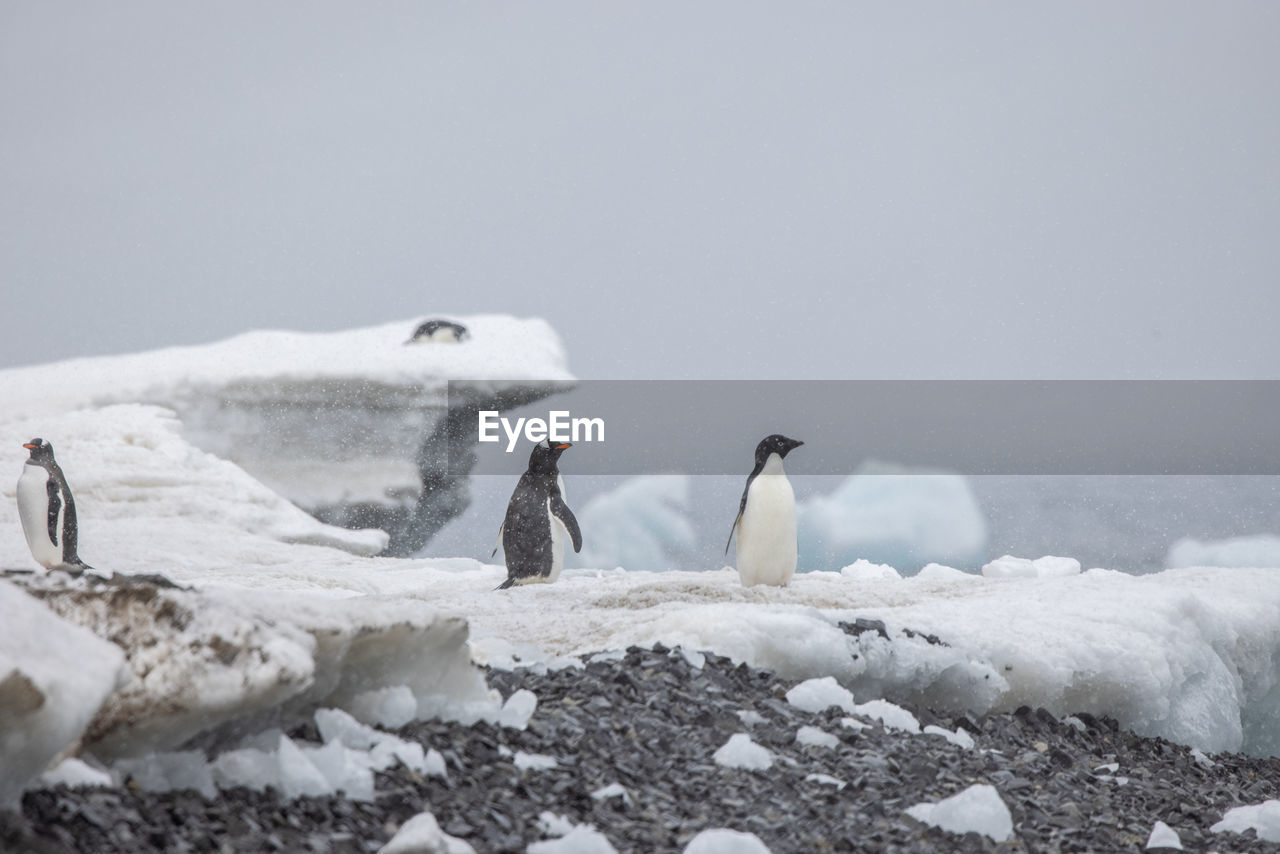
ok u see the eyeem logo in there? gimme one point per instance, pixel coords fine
(559, 426)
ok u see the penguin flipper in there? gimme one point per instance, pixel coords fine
(510, 582)
(562, 512)
(742, 508)
(55, 508)
(499, 542)
(731, 532)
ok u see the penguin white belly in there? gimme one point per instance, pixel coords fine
(559, 534)
(33, 510)
(767, 532)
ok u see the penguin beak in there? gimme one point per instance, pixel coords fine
(29, 446)
(562, 446)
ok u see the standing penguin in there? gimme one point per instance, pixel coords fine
(766, 522)
(533, 533)
(47, 510)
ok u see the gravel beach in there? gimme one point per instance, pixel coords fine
(650, 722)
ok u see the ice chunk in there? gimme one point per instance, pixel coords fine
(583, 839)
(518, 709)
(343, 769)
(1020, 567)
(958, 736)
(613, 790)
(1263, 817)
(1164, 836)
(820, 694)
(1262, 550)
(977, 809)
(741, 752)
(534, 761)
(891, 715)
(905, 517)
(75, 773)
(642, 524)
(167, 772)
(812, 736)
(422, 835)
(391, 707)
(750, 717)
(554, 824)
(49, 691)
(722, 840)
(826, 780)
(865, 570)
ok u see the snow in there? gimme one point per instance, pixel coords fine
(721, 840)
(812, 736)
(422, 835)
(1164, 836)
(977, 809)
(1263, 817)
(741, 752)
(906, 517)
(53, 678)
(642, 524)
(1259, 550)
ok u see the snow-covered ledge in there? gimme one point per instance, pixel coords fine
(211, 666)
(353, 426)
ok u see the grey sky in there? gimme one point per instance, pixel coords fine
(718, 189)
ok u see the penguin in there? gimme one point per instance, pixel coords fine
(47, 511)
(766, 523)
(438, 331)
(533, 532)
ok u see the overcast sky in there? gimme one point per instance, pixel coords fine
(712, 189)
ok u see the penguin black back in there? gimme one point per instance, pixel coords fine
(536, 505)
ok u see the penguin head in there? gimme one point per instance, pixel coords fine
(775, 444)
(545, 455)
(40, 449)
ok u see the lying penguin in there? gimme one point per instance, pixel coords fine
(437, 331)
(47, 511)
(533, 532)
(766, 523)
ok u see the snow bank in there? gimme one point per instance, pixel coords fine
(348, 424)
(893, 514)
(1260, 550)
(53, 677)
(219, 663)
(642, 524)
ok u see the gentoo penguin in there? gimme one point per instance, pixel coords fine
(537, 521)
(47, 510)
(766, 522)
(439, 330)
